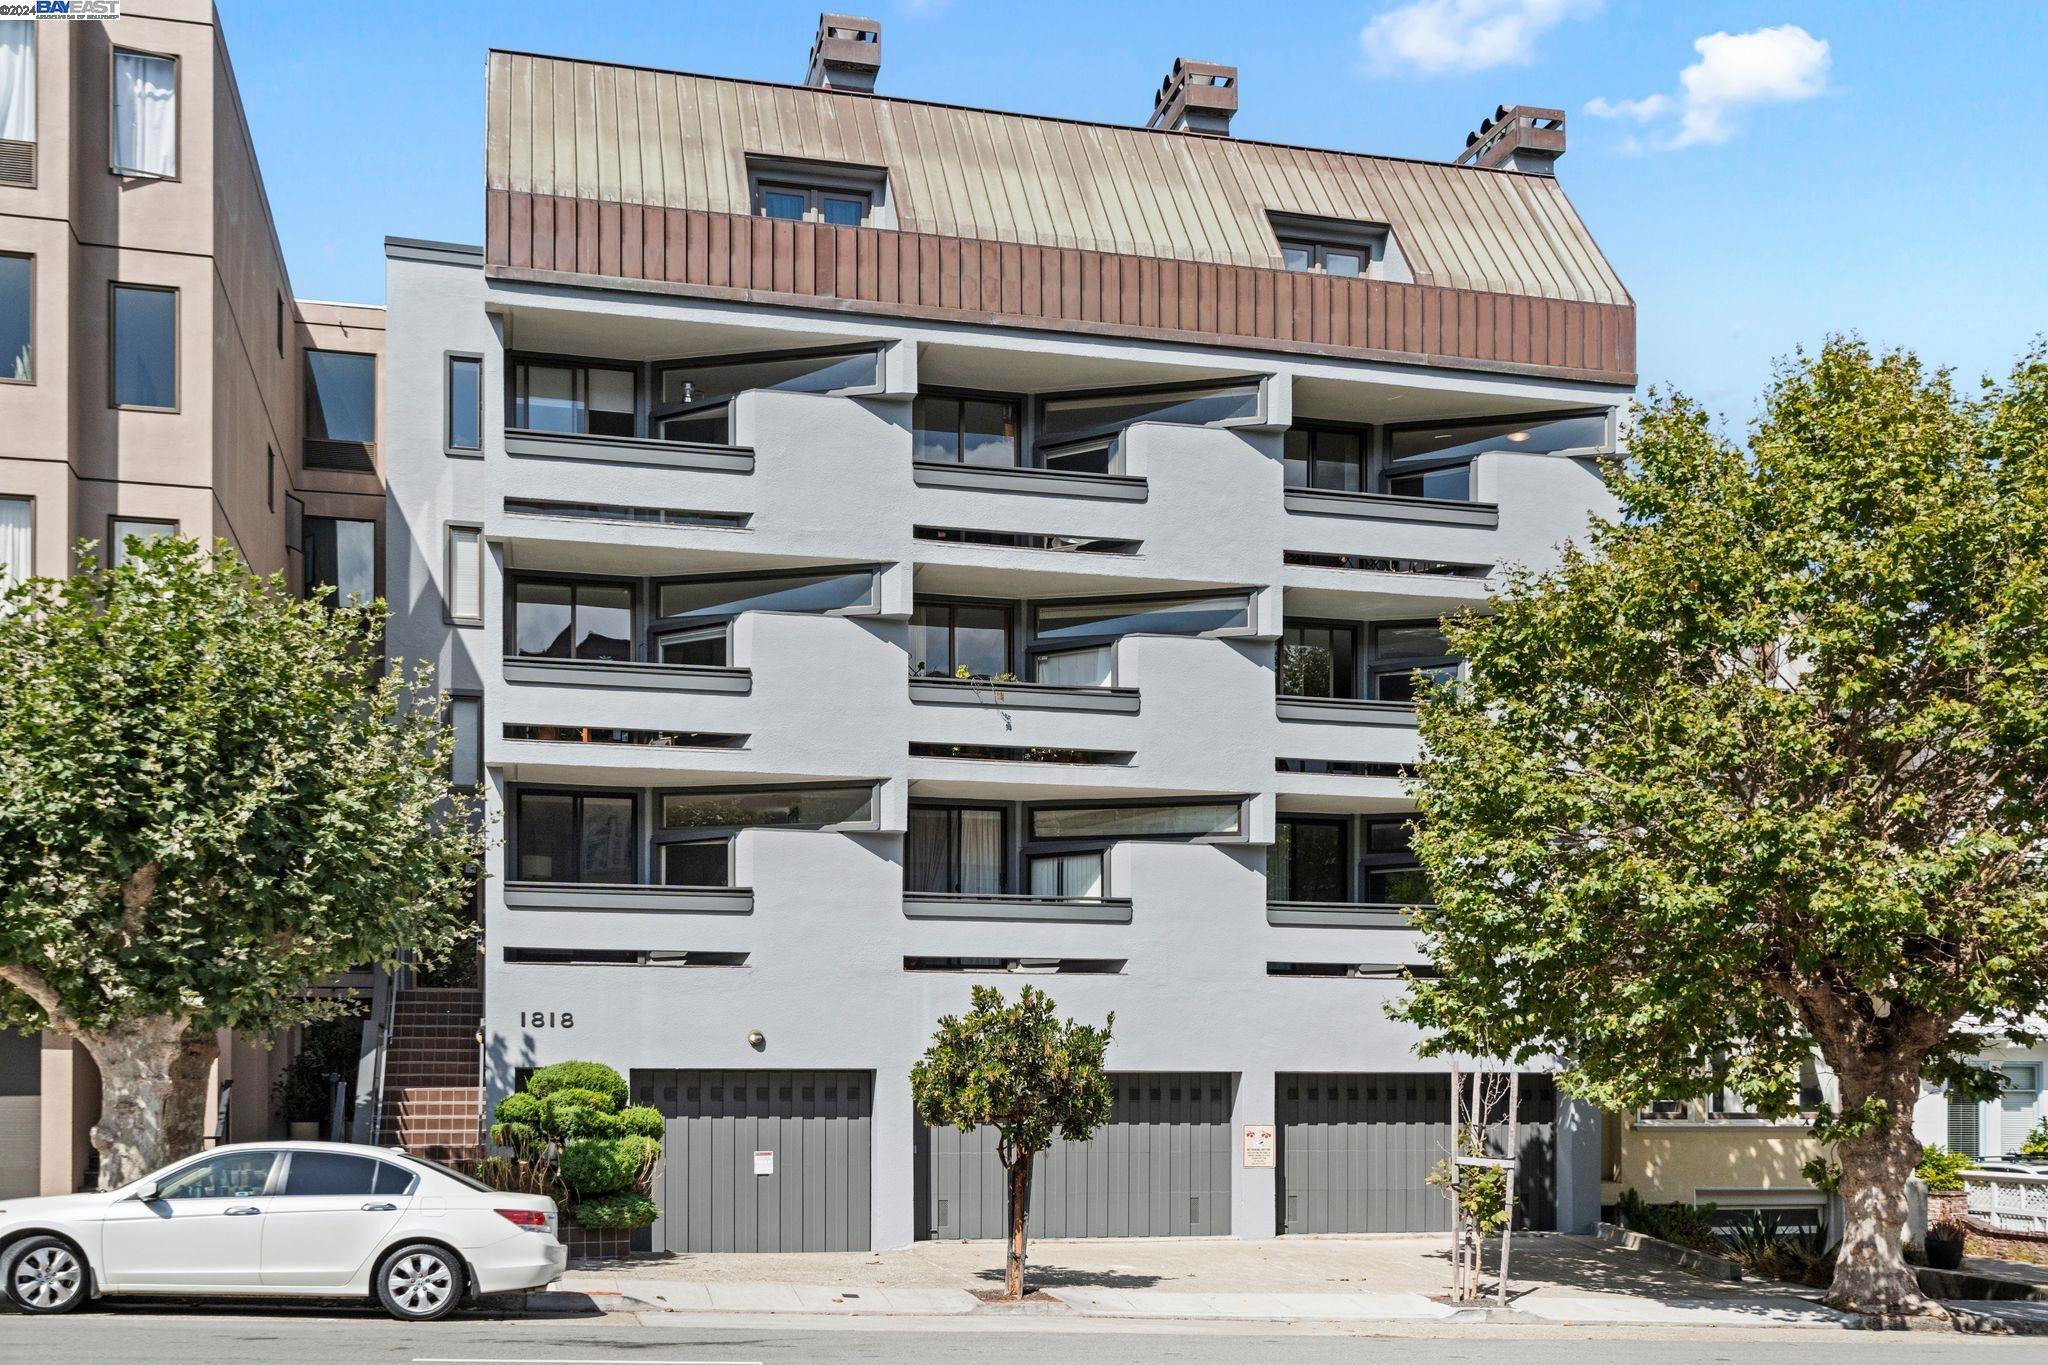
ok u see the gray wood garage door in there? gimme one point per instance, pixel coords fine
(1159, 1168)
(818, 1126)
(1356, 1152)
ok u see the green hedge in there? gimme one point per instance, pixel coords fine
(1942, 1169)
(620, 1211)
(594, 1166)
(644, 1120)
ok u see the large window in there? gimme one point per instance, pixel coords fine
(1331, 458)
(1436, 461)
(1406, 656)
(144, 363)
(1390, 871)
(750, 807)
(340, 560)
(1078, 433)
(17, 541)
(693, 613)
(955, 849)
(576, 837)
(145, 114)
(121, 530)
(465, 568)
(584, 400)
(947, 637)
(693, 397)
(572, 619)
(17, 318)
(1318, 659)
(465, 428)
(966, 429)
(18, 84)
(1073, 644)
(340, 398)
(1309, 861)
(1082, 875)
(1176, 820)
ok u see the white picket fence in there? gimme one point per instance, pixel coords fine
(2018, 1203)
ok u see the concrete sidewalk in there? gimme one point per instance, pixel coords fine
(1558, 1280)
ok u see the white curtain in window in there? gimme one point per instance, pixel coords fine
(18, 80)
(981, 852)
(465, 573)
(145, 114)
(1077, 667)
(1072, 874)
(17, 542)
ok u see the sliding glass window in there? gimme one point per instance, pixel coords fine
(577, 399)
(1073, 644)
(966, 429)
(1390, 872)
(1436, 461)
(572, 619)
(1077, 433)
(576, 837)
(1407, 657)
(692, 398)
(947, 637)
(1165, 820)
(955, 850)
(1318, 659)
(1309, 861)
(693, 612)
(1329, 458)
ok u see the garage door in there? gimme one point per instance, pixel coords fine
(1356, 1152)
(763, 1160)
(1159, 1168)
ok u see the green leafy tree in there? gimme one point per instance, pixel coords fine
(1763, 772)
(1020, 1069)
(211, 803)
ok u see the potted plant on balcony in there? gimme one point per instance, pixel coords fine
(573, 1137)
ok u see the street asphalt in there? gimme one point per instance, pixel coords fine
(166, 1335)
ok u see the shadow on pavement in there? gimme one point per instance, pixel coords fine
(1058, 1277)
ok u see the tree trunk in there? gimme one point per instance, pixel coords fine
(1871, 1274)
(152, 1094)
(1020, 1214)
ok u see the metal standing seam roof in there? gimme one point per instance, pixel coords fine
(592, 130)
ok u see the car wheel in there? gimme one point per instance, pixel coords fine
(420, 1282)
(45, 1275)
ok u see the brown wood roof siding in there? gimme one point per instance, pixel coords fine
(925, 275)
(585, 130)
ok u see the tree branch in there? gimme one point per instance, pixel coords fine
(136, 894)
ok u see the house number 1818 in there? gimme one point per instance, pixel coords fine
(547, 1019)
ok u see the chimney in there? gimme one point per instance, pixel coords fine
(1517, 138)
(1196, 97)
(847, 54)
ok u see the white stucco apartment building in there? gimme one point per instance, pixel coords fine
(873, 548)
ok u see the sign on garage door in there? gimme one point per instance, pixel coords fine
(1160, 1167)
(763, 1160)
(1356, 1152)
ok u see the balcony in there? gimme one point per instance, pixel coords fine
(1392, 507)
(1022, 696)
(630, 450)
(1337, 915)
(1052, 909)
(619, 673)
(625, 898)
(1398, 715)
(1058, 483)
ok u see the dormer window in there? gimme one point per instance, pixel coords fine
(835, 193)
(813, 204)
(1329, 246)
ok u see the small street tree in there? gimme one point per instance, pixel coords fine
(1764, 773)
(208, 802)
(1020, 1069)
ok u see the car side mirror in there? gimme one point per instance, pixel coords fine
(146, 1191)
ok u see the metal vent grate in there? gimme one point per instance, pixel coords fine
(17, 162)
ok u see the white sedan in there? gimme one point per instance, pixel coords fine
(281, 1219)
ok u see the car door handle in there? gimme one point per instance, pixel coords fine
(380, 1208)
(242, 1209)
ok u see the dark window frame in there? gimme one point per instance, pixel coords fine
(114, 166)
(1368, 453)
(814, 194)
(30, 258)
(115, 539)
(1020, 407)
(659, 835)
(656, 629)
(1342, 824)
(510, 607)
(309, 443)
(306, 523)
(517, 390)
(1011, 618)
(449, 445)
(660, 411)
(1005, 859)
(1032, 840)
(1369, 862)
(1375, 668)
(518, 841)
(114, 288)
(1035, 646)
(1354, 659)
(1071, 444)
(1384, 470)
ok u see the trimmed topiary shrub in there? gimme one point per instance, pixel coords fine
(1942, 1169)
(571, 1135)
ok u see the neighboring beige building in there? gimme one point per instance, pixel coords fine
(1717, 1151)
(156, 376)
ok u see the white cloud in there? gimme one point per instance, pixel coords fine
(1735, 71)
(1435, 36)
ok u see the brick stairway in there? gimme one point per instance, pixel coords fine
(432, 1104)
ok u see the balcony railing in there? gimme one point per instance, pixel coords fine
(1348, 711)
(978, 906)
(943, 691)
(1019, 479)
(2009, 1200)
(569, 445)
(1337, 915)
(617, 896)
(1392, 507)
(656, 677)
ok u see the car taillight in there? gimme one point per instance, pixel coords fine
(526, 1218)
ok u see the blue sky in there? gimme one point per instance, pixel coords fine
(1863, 166)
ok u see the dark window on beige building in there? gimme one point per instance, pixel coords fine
(121, 530)
(145, 347)
(340, 409)
(17, 318)
(341, 560)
